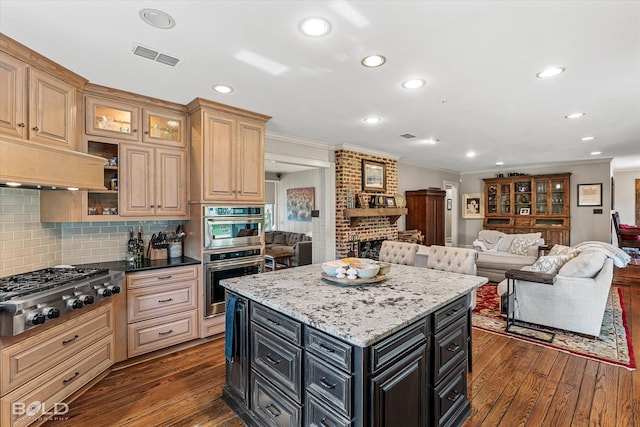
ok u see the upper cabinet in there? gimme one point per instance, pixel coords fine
(134, 122)
(36, 105)
(530, 203)
(227, 153)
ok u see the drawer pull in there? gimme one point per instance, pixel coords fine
(324, 424)
(166, 333)
(273, 322)
(455, 347)
(327, 384)
(165, 300)
(68, 380)
(75, 337)
(452, 312)
(454, 398)
(272, 410)
(271, 360)
(325, 348)
(164, 277)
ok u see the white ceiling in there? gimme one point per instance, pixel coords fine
(479, 59)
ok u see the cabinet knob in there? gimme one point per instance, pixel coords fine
(158, 206)
(134, 130)
(35, 128)
(21, 125)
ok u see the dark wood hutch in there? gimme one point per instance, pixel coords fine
(529, 204)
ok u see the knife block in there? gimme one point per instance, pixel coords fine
(157, 253)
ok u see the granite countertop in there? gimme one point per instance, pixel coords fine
(145, 266)
(360, 315)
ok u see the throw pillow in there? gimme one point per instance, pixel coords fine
(549, 263)
(563, 250)
(280, 239)
(520, 245)
(586, 264)
(268, 237)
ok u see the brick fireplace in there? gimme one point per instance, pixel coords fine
(349, 176)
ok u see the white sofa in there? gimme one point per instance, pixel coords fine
(496, 253)
(577, 300)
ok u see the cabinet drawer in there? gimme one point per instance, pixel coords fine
(277, 323)
(449, 313)
(451, 396)
(272, 407)
(154, 334)
(330, 384)
(278, 360)
(328, 348)
(149, 302)
(450, 348)
(162, 276)
(57, 384)
(27, 359)
(397, 346)
(318, 415)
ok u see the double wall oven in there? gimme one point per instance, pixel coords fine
(233, 247)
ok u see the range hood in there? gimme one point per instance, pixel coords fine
(35, 165)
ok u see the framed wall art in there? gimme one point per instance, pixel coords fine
(590, 194)
(374, 176)
(472, 206)
(300, 203)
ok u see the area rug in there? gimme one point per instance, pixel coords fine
(613, 346)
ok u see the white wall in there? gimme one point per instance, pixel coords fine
(585, 225)
(625, 195)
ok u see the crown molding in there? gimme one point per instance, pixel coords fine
(274, 136)
(503, 168)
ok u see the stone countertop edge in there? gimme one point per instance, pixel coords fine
(359, 315)
(145, 266)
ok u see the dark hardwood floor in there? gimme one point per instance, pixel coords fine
(513, 384)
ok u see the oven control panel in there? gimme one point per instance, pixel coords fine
(222, 256)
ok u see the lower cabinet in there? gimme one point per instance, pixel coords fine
(161, 309)
(40, 372)
(285, 373)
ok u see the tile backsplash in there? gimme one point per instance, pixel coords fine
(27, 244)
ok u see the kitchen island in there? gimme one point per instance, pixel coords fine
(305, 351)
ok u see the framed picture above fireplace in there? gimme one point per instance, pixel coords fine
(374, 176)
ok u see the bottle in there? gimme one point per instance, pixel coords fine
(139, 247)
(131, 247)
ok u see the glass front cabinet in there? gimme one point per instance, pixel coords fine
(529, 203)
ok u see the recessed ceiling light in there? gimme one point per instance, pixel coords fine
(372, 120)
(550, 72)
(72, 188)
(471, 154)
(13, 184)
(430, 141)
(499, 163)
(588, 138)
(314, 27)
(222, 88)
(157, 18)
(373, 61)
(573, 115)
(595, 153)
(413, 84)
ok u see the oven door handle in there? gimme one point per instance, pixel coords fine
(225, 265)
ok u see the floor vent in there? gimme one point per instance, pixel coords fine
(155, 55)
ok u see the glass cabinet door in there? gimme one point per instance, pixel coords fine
(505, 198)
(541, 197)
(522, 194)
(492, 199)
(111, 119)
(164, 127)
(557, 196)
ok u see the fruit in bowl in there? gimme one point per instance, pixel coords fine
(330, 267)
(366, 271)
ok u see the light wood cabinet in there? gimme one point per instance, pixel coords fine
(50, 366)
(529, 204)
(162, 309)
(227, 153)
(35, 105)
(153, 181)
(128, 121)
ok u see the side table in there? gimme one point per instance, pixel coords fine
(529, 276)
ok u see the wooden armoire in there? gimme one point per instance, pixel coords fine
(426, 213)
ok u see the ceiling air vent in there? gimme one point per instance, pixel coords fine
(407, 135)
(155, 55)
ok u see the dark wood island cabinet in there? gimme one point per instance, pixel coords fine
(290, 369)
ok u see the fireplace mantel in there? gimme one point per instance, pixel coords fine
(356, 215)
